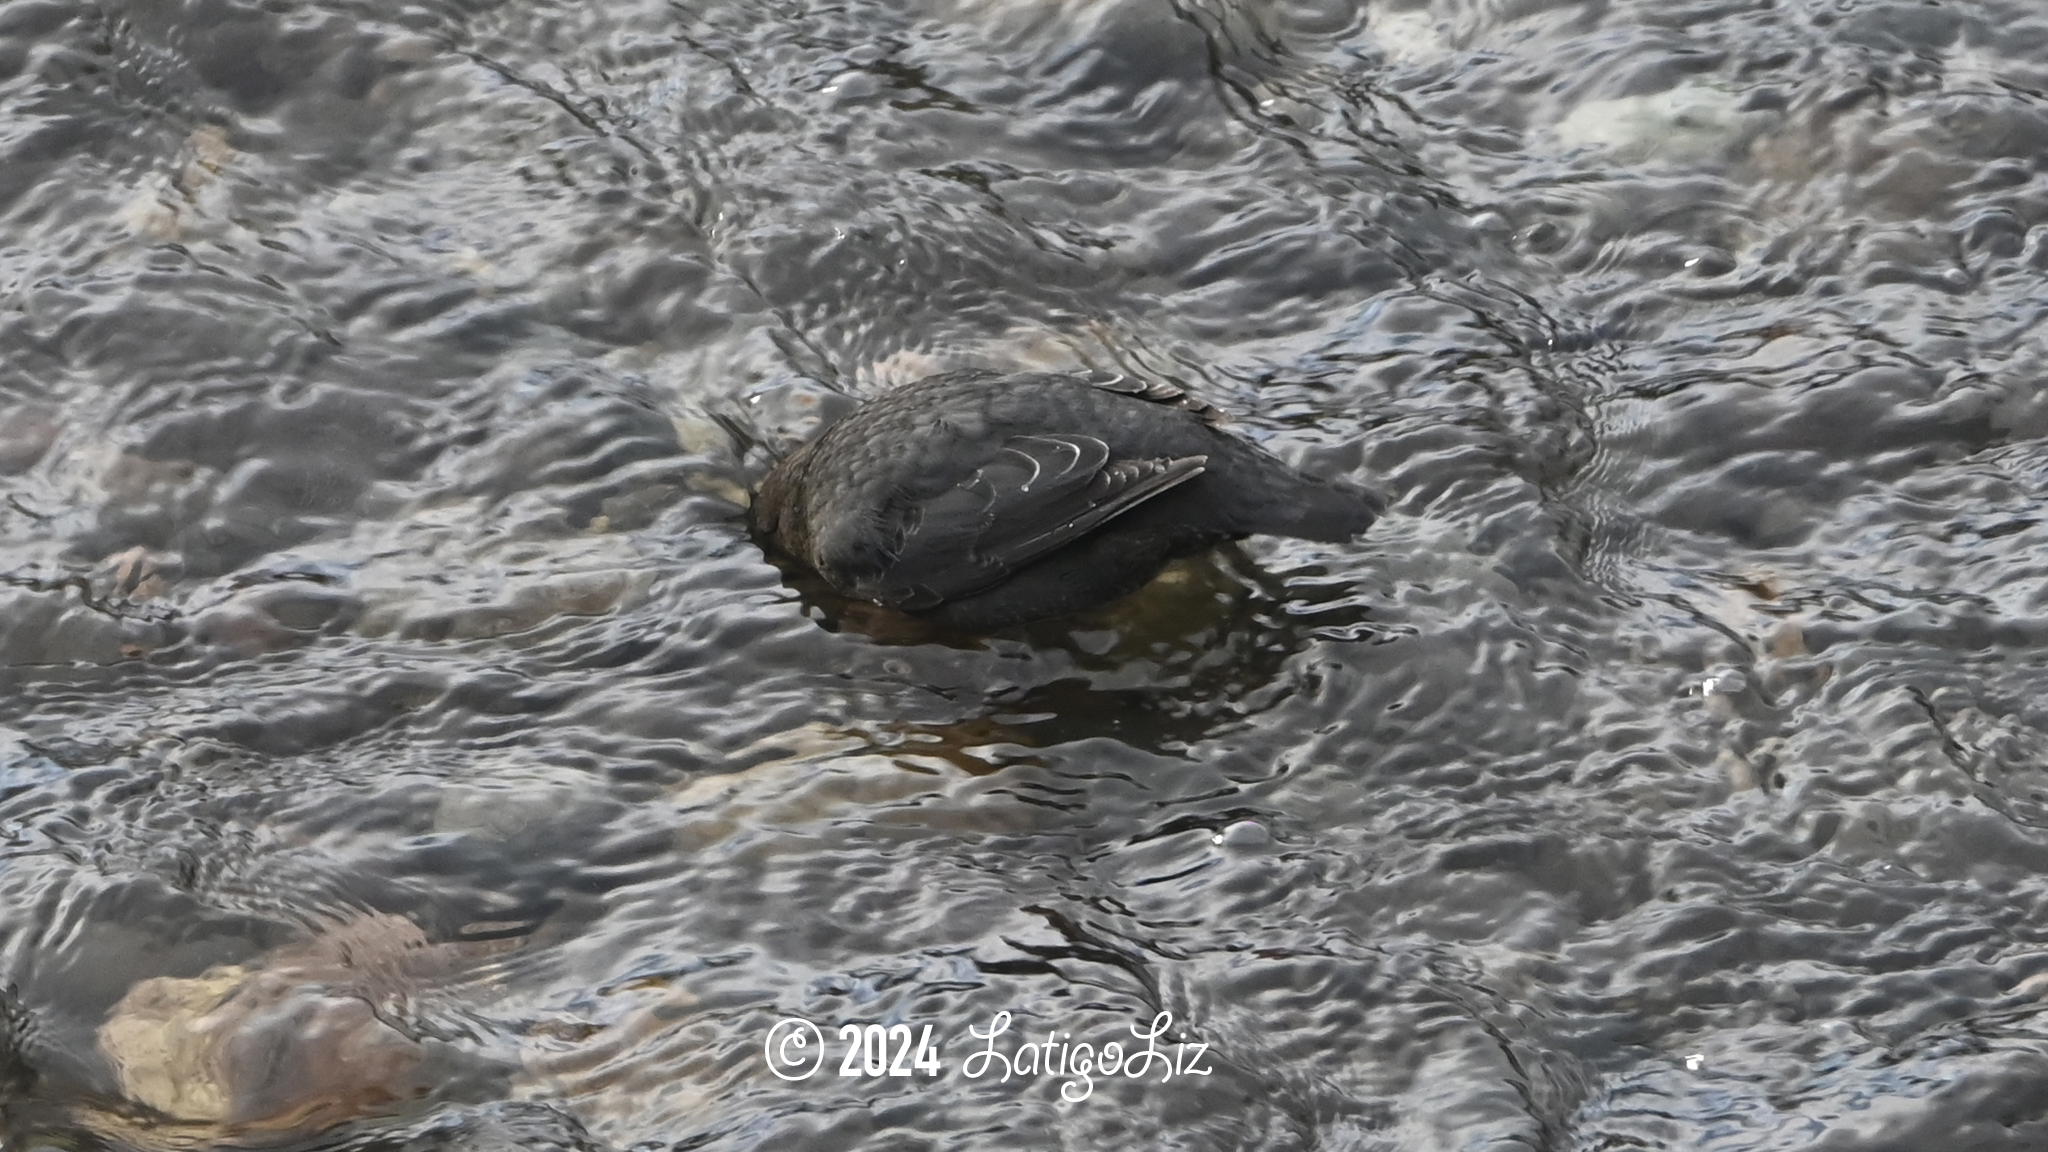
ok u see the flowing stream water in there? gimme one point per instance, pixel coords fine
(403, 745)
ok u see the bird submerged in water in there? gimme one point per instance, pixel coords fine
(980, 500)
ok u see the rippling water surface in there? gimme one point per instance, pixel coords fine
(402, 744)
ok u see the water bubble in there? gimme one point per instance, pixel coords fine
(1245, 834)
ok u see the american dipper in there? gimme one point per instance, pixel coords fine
(980, 500)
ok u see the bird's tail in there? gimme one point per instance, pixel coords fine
(1318, 510)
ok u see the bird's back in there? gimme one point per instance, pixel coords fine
(962, 485)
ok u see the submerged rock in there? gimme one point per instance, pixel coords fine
(306, 1040)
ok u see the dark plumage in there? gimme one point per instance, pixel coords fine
(981, 500)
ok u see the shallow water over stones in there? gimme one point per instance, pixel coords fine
(403, 745)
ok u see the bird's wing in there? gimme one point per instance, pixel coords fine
(1036, 494)
(1160, 392)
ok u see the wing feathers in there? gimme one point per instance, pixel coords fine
(1116, 488)
(1037, 494)
(1160, 392)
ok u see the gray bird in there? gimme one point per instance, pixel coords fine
(980, 500)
